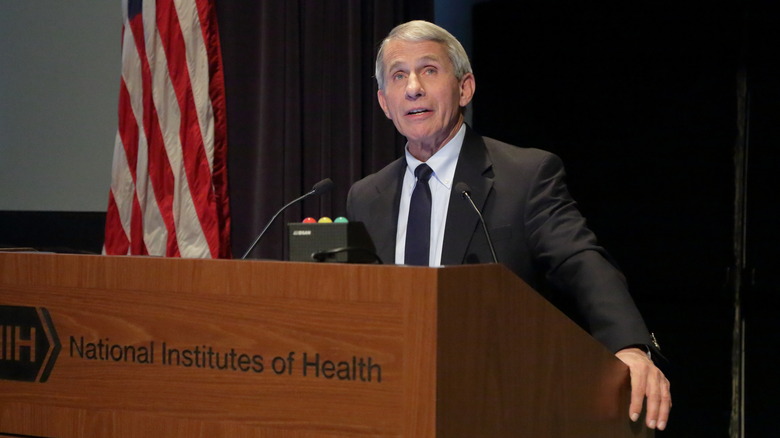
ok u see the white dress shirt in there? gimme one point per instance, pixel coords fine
(443, 164)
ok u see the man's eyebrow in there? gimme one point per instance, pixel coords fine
(429, 58)
(396, 65)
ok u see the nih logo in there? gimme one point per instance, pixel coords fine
(28, 343)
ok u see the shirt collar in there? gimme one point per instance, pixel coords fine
(444, 161)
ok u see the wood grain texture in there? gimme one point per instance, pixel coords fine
(458, 350)
(509, 363)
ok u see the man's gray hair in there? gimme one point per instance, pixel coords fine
(420, 31)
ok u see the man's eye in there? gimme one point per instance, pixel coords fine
(398, 76)
(430, 71)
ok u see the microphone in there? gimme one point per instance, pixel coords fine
(465, 192)
(318, 189)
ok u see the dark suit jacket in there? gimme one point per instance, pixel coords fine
(535, 225)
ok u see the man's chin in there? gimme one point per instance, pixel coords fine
(418, 133)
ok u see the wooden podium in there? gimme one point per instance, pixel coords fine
(205, 348)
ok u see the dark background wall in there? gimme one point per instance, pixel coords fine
(652, 107)
(641, 105)
(762, 234)
(641, 101)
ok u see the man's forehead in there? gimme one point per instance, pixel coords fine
(412, 52)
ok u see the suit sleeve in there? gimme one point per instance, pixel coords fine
(574, 263)
(351, 212)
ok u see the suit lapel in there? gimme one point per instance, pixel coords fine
(384, 209)
(462, 221)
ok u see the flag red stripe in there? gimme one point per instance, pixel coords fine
(196, 163)
(116, 240)
(160, 172)
(209, 28)
(137, 245)
(128, 132)
(128, 129)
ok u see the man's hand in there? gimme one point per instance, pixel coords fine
(647, 381)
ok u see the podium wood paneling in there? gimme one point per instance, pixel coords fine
(461, 351)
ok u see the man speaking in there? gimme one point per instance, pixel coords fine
(415, 212)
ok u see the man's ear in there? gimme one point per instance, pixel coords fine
(383, 103)
(468, 86)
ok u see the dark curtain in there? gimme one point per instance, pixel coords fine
(640, 101)
(301, 104)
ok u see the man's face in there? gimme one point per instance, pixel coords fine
(422, 96)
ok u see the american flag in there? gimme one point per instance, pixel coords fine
(169, 194)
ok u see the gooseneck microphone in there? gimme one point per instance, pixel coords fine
(318, 189)
(465, 192)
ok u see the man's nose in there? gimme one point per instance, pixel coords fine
(414, 88)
